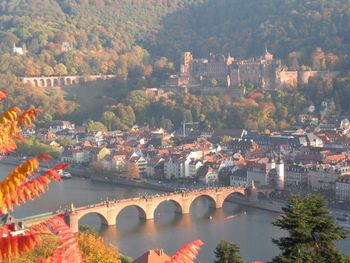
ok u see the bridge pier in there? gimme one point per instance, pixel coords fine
(74, 222)
(186, 205)
(149, 211)
(219, 201)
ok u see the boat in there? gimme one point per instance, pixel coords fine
(65, 175)
(229, 217)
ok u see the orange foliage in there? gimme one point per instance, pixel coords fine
(68, 251)
(25, 183)
(188, 253)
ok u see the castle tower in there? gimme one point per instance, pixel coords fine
(268, 56)
(185, 63)
(280, 173)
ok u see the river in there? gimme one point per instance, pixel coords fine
(249, 227)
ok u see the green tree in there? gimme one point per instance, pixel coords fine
(227, 252)
(312, 231)
(108, 118)
(93, 126)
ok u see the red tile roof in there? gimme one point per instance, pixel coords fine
(153, 256)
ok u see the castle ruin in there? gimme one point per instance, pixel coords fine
(225, 71)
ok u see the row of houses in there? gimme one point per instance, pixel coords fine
(292, 159)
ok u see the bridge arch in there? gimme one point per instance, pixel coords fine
(102, 217)
(35, 83)
(48, 83)
(208, 197)
(233, 193)
(42, 83)
(141, 212)
(68, 81)
(178, 207)
(55, 83)
(62, 82)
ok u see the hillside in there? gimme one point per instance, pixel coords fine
(246, 28)
(138, 40)
(96, 34)
(105, 35)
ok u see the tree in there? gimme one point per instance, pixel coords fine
(94, 249)
(312, 231)
(24, 183)
(93, 126)
(318, 59)
(108, 118)
(226, 252)
(47, 70)
(60, 69)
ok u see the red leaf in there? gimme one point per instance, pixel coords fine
(44, 156)
(61, 166)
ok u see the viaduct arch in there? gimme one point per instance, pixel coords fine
(59, 81)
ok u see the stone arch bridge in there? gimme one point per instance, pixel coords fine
(59, 81)
(108, 211)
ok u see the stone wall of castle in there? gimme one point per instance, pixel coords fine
(265, 72)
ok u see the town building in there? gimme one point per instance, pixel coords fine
(153, 256)
(18, 50)
(296, 176)
(342, 188)
(238, 177)
(324, 176)
(207, 175)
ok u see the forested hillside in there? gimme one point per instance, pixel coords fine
(101, 35)
(108, 35)
(245, 28)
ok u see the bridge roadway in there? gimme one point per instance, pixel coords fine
(108, 211)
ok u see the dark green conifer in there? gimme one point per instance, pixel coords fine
(312, 232)
(226, 252)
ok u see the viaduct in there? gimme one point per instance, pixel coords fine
(108, 211)
(59, 81)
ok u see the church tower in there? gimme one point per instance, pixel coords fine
(271, 164)
(280, 173)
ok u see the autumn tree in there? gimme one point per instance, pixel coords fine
(60, 70)
(24, 183)
(318, 58)
(94, 249)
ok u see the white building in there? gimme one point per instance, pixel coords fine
(238, 177)
(207, 175)
(18, 50)
(193, 167)
(342, 188)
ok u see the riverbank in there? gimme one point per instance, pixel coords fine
(269, 205)
(127, 182)
(86, 173)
